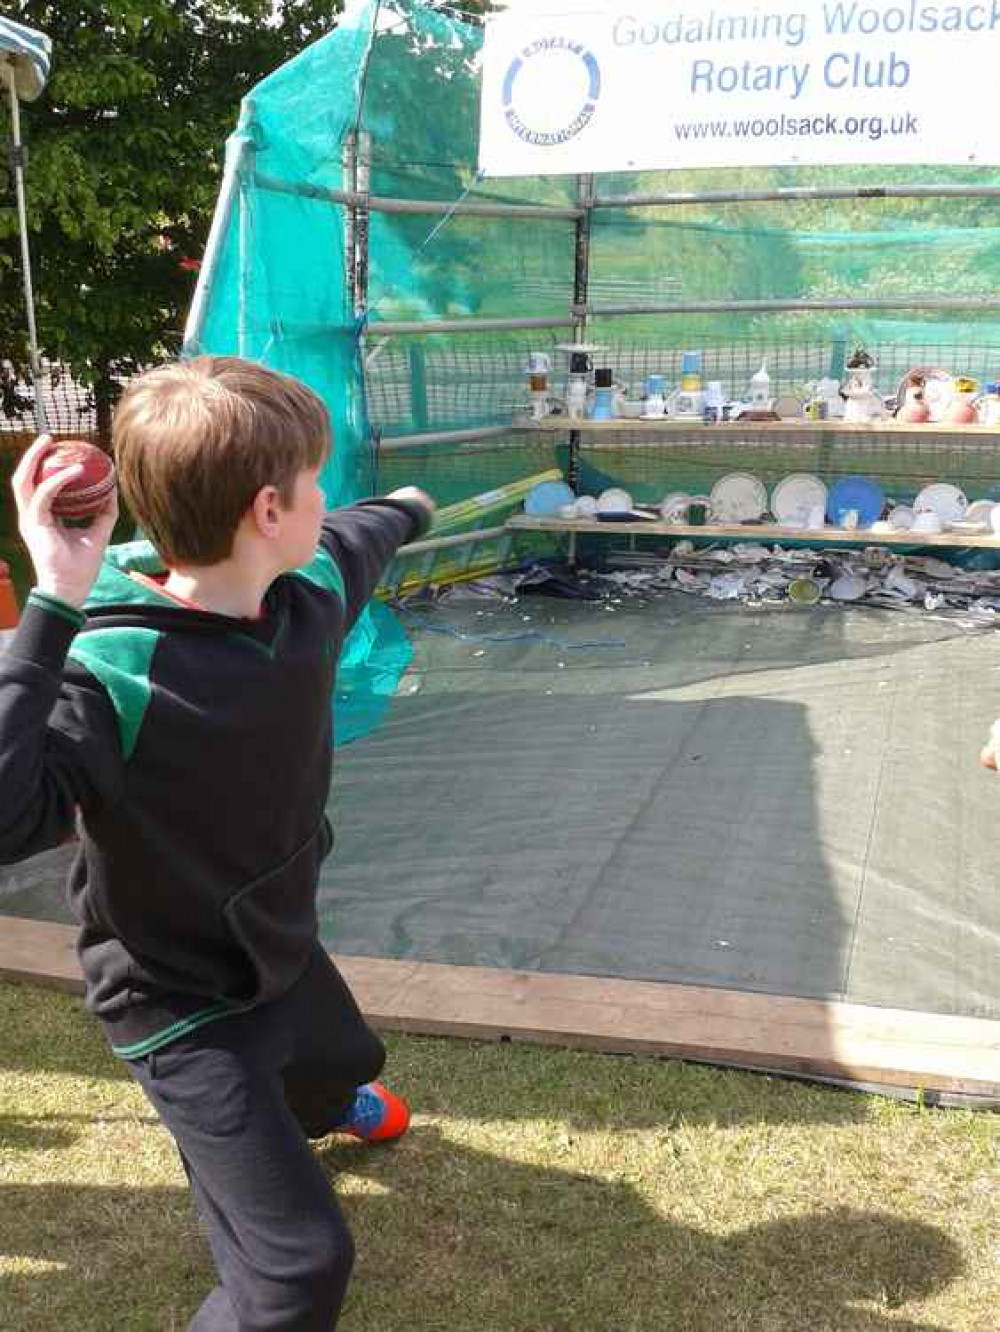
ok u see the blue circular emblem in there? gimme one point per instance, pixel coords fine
(576, 117)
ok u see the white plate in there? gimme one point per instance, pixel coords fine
(947, 501)
(795, 496)
(738, 497)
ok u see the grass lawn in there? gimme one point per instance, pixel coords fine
(539, 1191)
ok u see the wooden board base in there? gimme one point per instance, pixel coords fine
(755, 533)
(891, 1048)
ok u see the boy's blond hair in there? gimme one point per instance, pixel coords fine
(195, 442)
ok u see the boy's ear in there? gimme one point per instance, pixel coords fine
(265, 511)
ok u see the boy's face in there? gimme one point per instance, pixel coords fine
(301, 520)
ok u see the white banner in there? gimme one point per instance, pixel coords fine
(654, 84)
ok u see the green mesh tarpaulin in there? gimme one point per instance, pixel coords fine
(403, 80)
(278, 294)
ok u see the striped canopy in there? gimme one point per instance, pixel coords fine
(30, 52)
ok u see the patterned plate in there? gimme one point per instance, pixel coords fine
(796, 496)
(737, 498)
(947, 501)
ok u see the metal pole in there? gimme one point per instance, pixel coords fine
(581, 255)
(362, 234)
(244, 175)
(800, 192)
(41, 419)
(236, 148)
(529, 212)
(352, 198)
(383, 327)
(581, 285)
(847, 303)
(444, 543)
(387, 444)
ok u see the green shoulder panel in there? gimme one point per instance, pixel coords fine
(114, 587)
(120, 659)
(325, 573)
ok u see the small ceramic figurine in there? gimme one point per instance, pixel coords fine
(961, 410)
(760, 389)
(862, 402)
(914, 410)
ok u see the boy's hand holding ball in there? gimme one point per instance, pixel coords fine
(58, 484)
(85, 493)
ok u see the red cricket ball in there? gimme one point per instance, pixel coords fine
(87, 493)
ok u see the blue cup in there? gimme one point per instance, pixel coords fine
(604, 405)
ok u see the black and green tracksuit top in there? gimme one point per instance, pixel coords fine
(193, 753)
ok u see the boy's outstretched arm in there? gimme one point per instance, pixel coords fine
(47, 769)
(364, 537)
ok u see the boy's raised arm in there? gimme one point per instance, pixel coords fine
(46, 771)
(364, 537)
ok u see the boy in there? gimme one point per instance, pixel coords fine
(185, 723)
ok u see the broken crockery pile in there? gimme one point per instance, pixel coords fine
(755, 574)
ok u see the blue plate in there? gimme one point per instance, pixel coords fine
(855, 492)
(547, 498)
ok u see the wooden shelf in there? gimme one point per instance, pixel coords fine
(827, 536)
(667, 426)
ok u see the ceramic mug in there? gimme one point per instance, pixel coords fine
(927, 521)
(676, 506)
(816, 517)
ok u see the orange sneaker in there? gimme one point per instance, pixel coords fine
(377, 1115)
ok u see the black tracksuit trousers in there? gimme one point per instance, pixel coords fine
(241, 1096)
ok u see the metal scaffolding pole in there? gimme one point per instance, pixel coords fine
(237, 147)
(391, 443)
(17, 157)
(377, 203)
(245, 237)
(384, 327)
(357, 171)
(581, 286)
(797, 192)
(971, 303)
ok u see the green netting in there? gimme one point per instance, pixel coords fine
(406, 78)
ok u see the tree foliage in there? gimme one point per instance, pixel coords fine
(125, 149)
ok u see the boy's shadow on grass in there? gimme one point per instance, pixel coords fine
(557, 1225)
(448, 1236)
(513, 1247)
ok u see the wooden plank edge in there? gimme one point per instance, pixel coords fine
(696, 426)
(894, 1049)
(754, 533)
